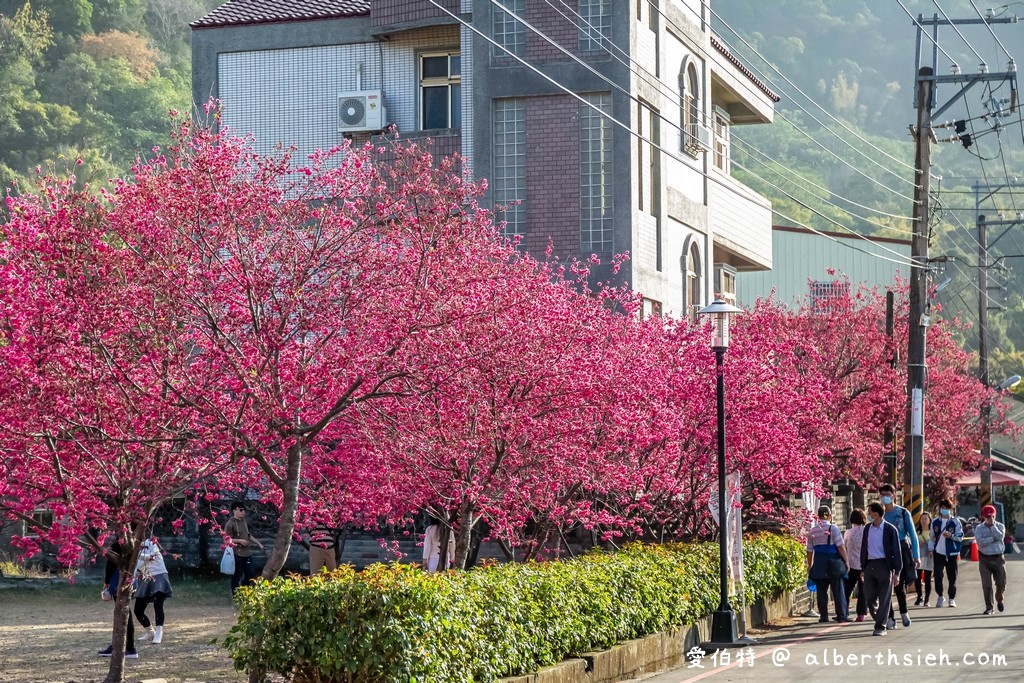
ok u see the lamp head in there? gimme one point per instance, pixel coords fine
(719, 311)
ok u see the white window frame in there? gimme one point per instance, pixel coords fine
(450, 81)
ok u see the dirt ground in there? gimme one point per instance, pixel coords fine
(50, 632)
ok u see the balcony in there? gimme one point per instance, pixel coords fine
(741, 222)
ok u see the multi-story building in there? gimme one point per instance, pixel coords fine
(604, 126)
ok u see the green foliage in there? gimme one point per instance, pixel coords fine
(398, 623)
(90, 78)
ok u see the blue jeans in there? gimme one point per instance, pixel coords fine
(243, 573)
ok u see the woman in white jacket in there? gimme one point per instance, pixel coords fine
(152, 586)
(432, 549)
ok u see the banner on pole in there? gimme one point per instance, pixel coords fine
(733, 531)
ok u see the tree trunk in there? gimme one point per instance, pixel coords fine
(122, 613)
(463, 534)
(289, 507)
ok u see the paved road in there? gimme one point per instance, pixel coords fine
(942, 645)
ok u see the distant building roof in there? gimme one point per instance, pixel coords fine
(240, 12)
(841, 235)
(743, 69)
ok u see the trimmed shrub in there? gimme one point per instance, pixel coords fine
(398, 623)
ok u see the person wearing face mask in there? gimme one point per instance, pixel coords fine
(944, 545)
(882, 560)
(990, 536)
(901, 518)
(827, 564)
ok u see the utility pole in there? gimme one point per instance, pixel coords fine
(913, 475)
(927, 80)
(890, 451)
(985, 497)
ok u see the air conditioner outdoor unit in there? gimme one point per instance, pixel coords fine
(703, 137)
(360, 110)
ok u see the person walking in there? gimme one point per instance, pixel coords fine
(946, 535)
(111, 581)
(924, 575)
(900, 517)
(990, 536)
(853, 538)
(152, 585)
(236, 534)
(321, 549)
(882, 559)
(827, 563)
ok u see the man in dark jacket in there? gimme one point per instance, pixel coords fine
(882, 561)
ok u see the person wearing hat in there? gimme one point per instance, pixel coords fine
(825, 549)
(989, 536)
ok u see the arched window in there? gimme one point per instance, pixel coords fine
(689, 114)
(693, 271)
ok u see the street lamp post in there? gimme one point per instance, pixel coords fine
(723, 622)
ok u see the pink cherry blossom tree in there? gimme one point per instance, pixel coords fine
(90, 351)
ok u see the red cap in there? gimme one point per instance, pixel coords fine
(988, 510)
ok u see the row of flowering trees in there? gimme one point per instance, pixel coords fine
(355, 340)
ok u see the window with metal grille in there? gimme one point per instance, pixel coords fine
(509, 176)
(689, 86)
(825, 294)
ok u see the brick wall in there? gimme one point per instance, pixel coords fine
(563, 30)
(391, 12)
(553, 174)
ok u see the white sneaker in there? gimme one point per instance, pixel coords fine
(147, 633)
(158, 635)
(940, 602)
(952, 602)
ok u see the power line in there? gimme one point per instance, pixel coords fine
(662, 87)
(669, 153)
(924, 32)
(825, 189)
(989, 27)
(811, 100)
(954, 26)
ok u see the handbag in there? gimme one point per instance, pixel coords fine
(227, 562)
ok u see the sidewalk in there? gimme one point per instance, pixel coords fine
(942, 644)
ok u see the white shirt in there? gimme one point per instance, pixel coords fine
(432, 548)
(151, 560)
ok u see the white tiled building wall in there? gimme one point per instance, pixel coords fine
(291, 96)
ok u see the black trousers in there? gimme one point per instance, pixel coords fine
(947, 564)
(878, 586)
(158, 609)
(854, 584)
(243, 575)
(924, 580)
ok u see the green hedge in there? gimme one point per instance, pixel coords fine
(396, 623)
